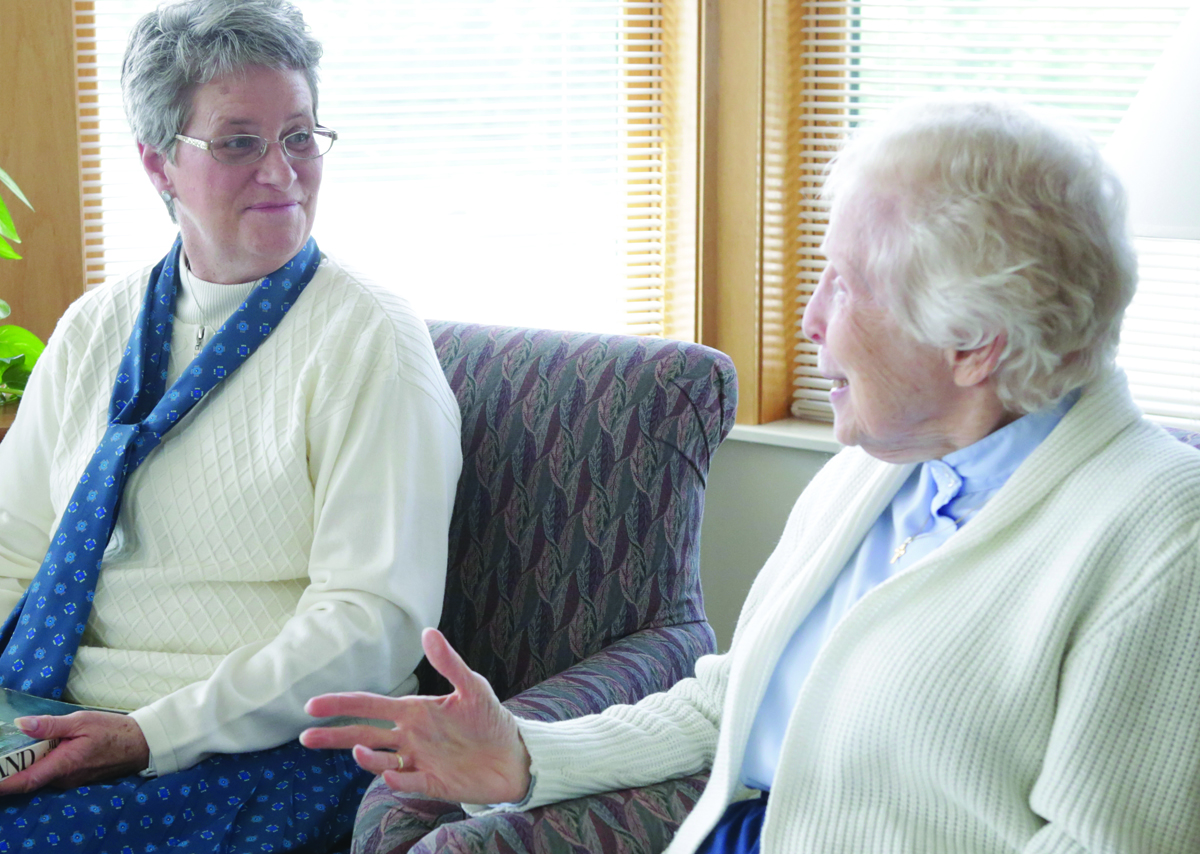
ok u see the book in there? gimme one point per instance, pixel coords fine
(17, 750)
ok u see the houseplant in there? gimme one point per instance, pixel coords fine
(19, 348)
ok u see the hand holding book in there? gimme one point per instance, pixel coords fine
(91, 745)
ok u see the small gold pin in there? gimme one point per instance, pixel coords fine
(901, 549)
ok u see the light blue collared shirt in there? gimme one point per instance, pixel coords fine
(937, 499)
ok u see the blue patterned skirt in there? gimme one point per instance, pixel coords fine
(288, 798)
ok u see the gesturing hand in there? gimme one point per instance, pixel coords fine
(94, 746)
(461, 747)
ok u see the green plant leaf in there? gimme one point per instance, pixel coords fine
(16, 372)
(15, 341)
(5, 311)
(12, 185)
(7, 227)
(7, 251)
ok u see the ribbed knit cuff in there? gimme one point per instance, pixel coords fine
(549, 762)
(488, 809)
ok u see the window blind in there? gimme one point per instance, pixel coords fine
(496, 162)
(847, 62)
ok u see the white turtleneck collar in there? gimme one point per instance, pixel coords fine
(202, 303)
(200, 309)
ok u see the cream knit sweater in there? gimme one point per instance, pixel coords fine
(286, 539)
(1031, 686)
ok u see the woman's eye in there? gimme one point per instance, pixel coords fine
(299, 137)
(238, 143)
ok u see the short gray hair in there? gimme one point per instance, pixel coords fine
(990, 219)
(181, 46)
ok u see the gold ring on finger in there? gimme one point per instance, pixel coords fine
(399, 762)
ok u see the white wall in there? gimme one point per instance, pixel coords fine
(751, 489)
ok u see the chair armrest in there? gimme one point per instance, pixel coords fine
(392, 822)
(629, 821)
(636, 666)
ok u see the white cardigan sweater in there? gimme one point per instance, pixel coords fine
(1031, 686)
(287, 538)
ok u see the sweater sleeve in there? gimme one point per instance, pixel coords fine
(384, 470)
(666, 735)
(1122, 767)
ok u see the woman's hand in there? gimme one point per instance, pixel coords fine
(461, 747)
(94, 746)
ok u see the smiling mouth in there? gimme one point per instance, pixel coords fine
(271, 206)
(838, 383)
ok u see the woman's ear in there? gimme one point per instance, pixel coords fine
(155, 164)
(972, 367)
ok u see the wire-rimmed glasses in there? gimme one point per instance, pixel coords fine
(239, 149)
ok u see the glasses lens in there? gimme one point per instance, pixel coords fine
(238, 148)
(307, 144)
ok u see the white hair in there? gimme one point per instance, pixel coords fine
(989, 219)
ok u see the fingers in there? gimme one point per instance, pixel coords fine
(375, 761)
(51, 726)
(411, 782)
(18, 784)
(378, 761)
(447, 662)
(57, 763)
(362, 704)
(345, 737)
(356, 704)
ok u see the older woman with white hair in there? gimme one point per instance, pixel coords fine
(229, 483)
(979, 630)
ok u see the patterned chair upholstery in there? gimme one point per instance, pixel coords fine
(1188, 437)
(574, 576)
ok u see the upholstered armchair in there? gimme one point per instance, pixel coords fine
(574, 576)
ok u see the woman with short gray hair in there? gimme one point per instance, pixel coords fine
(978, 632)
(229, 482)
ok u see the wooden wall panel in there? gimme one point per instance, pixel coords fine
(39, 149)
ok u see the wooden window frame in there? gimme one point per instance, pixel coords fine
(752, 190)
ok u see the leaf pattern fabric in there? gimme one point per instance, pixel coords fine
(574, 579)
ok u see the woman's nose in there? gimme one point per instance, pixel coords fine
(275, 167)
(813, 322)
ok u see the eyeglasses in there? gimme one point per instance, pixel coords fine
(239, 149)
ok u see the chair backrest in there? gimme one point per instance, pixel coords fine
(577, 518)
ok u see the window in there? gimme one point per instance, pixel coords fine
(519, 162)
(1087, 59)
(779, 82)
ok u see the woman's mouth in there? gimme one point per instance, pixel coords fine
(272, 206)
(839, 390)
